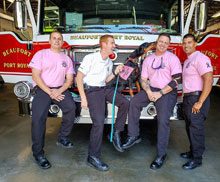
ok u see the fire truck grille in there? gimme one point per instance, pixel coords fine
(121, 56)
(80, 55)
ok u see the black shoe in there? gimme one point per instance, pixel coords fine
(158, 162)
(186, 155)
(97, 163)
(130, 141)
(192, 164)
(117, 141)
(65, 143)
(42, 162)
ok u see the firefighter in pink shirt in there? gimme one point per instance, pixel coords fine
(197, 84)
(161, 73)
(52, 73)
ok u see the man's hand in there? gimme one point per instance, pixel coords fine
(59, 98)
(155, 96)
(119, 68)
(196, 107)
(56, 95)
(150, 96)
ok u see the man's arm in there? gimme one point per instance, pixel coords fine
(57, 93)
(40, 83)
(110, 77)
(114, 73)
(146, 87)
(67, 84)
(207, 87)
(176, 79)
(79, 81)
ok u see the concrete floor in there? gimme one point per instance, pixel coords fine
(17, 164)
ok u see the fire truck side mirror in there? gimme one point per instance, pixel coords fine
(20, 14)
(201, 16)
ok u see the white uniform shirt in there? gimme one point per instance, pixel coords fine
(95, 69)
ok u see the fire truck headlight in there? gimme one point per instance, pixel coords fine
(54, 109)
(151, 109)
(23, 89)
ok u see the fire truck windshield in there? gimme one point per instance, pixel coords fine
(111, 16)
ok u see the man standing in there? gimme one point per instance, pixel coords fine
(197, 84)
(161, 73)
(52, 73)
(94, 72)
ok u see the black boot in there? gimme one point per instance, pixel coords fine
(42, 162)
(97, 163)
(192, 164)
(158, 162)
(117, 141)
(130, 141)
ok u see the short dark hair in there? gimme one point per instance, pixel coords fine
(189, 35)
(56, 31)
(164, 34)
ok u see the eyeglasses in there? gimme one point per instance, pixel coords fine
(161, 66)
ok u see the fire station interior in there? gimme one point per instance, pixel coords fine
(16, 160)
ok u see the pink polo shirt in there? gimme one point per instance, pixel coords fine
(194, 67)
(53, 66)
(159, 69)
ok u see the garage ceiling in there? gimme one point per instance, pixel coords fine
(119, 6)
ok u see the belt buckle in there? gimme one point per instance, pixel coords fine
(195, 93)
(86, 87)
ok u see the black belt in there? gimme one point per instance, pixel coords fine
(93, 87)
(55, 87)
(36, 86)
(193, 93)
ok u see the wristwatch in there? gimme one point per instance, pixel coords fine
(161, 92)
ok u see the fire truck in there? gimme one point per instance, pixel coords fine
(82, 22)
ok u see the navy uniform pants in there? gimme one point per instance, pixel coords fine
(97, 98)
(40, 106)
(164, 107)
(195, 124)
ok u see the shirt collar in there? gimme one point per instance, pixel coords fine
(192, 55)
(162, 55)
(102, 60)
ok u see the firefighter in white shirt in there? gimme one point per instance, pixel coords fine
(94, 72)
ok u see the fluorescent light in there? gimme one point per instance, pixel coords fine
(11, 1)
(216, 15)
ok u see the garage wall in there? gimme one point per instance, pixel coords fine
(7, 24)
